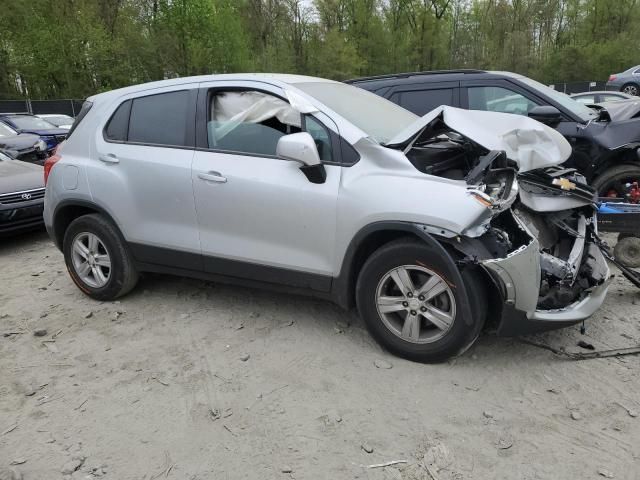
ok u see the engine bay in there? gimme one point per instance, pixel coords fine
(553, 205)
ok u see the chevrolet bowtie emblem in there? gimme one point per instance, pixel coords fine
(564, 184)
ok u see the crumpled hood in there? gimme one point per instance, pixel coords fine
(526, 141)
(18, 142)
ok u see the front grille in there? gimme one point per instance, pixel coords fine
(19, 197)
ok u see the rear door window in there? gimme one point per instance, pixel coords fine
(160, 119)
(423, 101)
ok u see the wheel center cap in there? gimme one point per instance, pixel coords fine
(414, 303)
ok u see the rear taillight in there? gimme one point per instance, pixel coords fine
(612, 78)
(49, 163)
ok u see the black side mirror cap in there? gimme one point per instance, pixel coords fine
(315, 173)
(546, 114)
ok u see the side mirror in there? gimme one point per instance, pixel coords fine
(300, 147)
(546, 114)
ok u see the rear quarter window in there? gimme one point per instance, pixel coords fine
(118, 126)
(86, 106)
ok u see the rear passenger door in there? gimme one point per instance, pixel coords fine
(142, 174)
(423, 97)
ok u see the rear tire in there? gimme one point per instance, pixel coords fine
(631, 89)
(407, 330)
(614, 178)
(97, 258)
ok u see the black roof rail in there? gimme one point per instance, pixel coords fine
(412, 74)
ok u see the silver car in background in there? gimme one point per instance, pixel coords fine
(429, 225)
(627, 81)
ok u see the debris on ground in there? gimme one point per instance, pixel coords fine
(632, 413)
(40, 332)
(382, 364)
(505, 443)
(10, 429)
(287, 469)
(245, 357)
(367, 448)
(72, 465)
(585, 345)
(10, 474)
(576, 415)
(386, 464)
(605, 473)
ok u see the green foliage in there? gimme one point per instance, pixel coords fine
(74, 48)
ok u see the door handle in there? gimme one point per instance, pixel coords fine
(212, 177)
(109, 158)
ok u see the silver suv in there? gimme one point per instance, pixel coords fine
(429, 225)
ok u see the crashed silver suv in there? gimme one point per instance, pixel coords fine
(426, 224)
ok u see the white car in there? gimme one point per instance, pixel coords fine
(430, 225)
(59, 120)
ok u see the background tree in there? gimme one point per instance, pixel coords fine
(74, 48)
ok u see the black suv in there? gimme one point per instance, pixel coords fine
(605, 151)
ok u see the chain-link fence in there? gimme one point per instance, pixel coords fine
(579, 87)
(67, 107)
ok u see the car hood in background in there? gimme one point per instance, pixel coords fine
(526, 141)
(17, 176)
(18, 142)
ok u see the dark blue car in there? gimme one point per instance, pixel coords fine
(25, 123)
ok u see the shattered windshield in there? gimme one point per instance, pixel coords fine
(377, 117)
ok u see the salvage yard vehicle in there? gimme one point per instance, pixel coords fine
(429, 225)
(59, 120)
(27, 123)
(23, 146)
(21, 196)
(605, 151)
(599, 96)
(627, 82)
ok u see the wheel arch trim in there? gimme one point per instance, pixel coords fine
(58, 236)
(343, 286)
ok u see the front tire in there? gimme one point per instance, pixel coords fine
(97, 258)
(412, 307)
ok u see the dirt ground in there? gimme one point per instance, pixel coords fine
(158, 385)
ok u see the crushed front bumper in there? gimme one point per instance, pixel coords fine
(518, 277)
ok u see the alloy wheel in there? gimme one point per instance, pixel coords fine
(415, 304)
(631, 90)
(91, 260)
